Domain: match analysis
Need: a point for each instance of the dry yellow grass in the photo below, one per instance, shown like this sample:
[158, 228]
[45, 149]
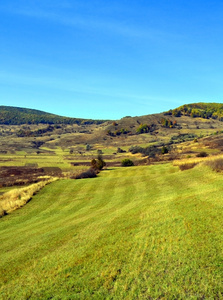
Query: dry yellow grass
[196, 160]
[214, 162]
[17, 198]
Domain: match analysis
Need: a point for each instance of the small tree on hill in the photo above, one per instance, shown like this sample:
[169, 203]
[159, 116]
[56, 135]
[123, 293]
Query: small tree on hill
[101, 162]
[98, 164]
[143, 128]
[88, 147]
[164, 150]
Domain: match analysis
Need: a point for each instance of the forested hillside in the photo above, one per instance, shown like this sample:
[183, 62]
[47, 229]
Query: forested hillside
[202, 110]
[16, 116]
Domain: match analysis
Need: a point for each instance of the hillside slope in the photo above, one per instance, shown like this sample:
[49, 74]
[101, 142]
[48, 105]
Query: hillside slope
[203, 110]
[75, 134]
[139, 233]
[10, 115]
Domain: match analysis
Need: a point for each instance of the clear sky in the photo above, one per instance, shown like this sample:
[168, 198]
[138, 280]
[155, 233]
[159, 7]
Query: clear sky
[110, 58]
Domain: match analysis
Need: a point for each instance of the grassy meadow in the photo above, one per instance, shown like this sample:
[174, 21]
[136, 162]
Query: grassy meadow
[60, 158]
[148, 232]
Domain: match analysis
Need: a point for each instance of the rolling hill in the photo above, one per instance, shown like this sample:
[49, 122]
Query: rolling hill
[10, 115]
[203, 110]
[32, 129]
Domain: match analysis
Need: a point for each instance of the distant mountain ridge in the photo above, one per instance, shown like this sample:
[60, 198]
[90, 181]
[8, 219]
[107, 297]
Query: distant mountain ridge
[10, 115]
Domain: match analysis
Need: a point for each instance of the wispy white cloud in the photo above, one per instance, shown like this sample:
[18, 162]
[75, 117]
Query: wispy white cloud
[66, 14]
[86, 23]
[84, 88]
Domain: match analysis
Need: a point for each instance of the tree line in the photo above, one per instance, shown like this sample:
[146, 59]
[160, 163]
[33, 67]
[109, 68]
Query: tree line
[199, 110]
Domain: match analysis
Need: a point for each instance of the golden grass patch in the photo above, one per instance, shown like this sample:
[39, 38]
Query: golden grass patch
[197, 160]
[17, 198]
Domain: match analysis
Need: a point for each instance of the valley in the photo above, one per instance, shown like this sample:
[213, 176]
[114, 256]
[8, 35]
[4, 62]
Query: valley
[149, 231]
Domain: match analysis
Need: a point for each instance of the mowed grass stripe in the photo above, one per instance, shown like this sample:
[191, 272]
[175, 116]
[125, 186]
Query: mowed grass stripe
[134, 233]
[203, 227]
[169, 241]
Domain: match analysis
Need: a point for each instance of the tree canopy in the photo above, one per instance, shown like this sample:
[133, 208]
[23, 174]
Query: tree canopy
[201, 110]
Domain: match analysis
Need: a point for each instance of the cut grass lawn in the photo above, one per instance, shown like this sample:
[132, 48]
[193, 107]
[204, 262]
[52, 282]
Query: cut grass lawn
[132, 233]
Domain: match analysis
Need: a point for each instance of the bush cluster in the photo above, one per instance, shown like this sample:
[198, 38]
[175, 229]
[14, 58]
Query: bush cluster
[202, 154]
[150, 151]
[182, 138]
[144, 128]
[118, 132]
[98, 164]
[164, 150]
[119, 150]
[168, 123]
[90, 173]
[127, 163]
[187, 166]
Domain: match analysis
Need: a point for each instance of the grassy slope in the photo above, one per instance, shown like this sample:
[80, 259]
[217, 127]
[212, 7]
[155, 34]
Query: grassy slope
[137, 233]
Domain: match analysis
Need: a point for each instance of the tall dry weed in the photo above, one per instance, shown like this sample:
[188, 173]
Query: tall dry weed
[216, 164]
[17, 198]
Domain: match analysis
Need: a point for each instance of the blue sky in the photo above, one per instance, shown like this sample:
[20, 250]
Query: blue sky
[110, 58]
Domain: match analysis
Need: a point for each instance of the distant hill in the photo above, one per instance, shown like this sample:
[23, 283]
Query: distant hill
[202, 110]
[185, 123]
[10, 115]
[17, 116]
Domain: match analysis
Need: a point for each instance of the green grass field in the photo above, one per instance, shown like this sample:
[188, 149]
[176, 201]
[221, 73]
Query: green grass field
[132, 233]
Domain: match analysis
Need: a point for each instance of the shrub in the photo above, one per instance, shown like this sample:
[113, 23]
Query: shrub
[90, 173]
[98, 164]
[176, 113]
[187, 166]
[37, 144]
[136, 149]
[119, 150]
[150, 151]
[94, 164]
[127, 162]
[164, 150]
[143, 128]
[88, 147]
[184, 137]
[202, 154]
[168, 123]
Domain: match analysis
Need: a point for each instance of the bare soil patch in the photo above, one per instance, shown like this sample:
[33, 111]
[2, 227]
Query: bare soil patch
[10, 176]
